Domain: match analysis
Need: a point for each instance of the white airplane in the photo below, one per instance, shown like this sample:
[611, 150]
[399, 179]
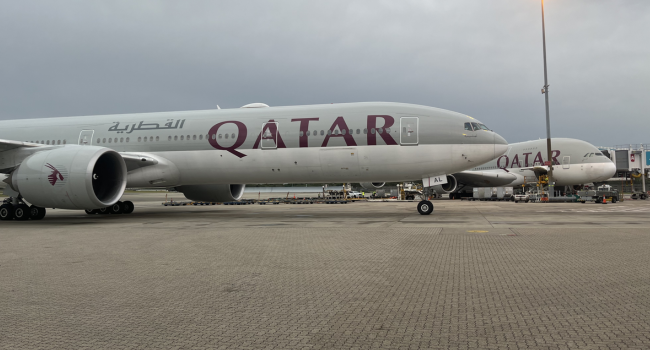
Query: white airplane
[575, 162]
[87, 162]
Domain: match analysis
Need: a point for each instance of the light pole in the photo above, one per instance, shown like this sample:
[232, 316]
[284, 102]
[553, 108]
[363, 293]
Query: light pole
[548, 120]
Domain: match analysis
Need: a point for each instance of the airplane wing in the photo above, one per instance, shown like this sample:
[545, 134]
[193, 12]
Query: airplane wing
[484, 178]
[6, 145]
[133, 160]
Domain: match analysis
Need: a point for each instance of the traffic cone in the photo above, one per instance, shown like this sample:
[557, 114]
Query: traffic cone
[604, 200]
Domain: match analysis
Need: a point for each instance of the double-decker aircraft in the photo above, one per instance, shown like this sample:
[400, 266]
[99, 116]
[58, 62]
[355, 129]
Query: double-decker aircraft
[576, 162]
[87, 162]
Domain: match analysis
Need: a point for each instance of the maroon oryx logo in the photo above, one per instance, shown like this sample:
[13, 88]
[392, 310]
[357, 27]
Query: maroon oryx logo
[55, 176]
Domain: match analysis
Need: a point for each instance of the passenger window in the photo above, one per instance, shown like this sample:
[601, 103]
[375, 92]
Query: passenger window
[157, 138]
[329, 132]
[193, 137]
[388, 130]
[121, 139]
[188, 137]
[322, 133]
[468, 127]
[344, 131]
[308, 133]
[139, 139]
[103, 140]
[169, 138]
[336, 132]
[380, 130]
[226, 136]
[64, 142]
[175, 137]
[48, 142]
[365, 131]
[219, 135]
[127, 139]
[372, 131]
[358, 131]
[99, 141]
[232, 136]
[182, 137]
[201, 137]
[115, 140]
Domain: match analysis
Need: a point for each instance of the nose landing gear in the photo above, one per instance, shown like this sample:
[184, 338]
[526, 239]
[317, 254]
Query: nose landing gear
[425, 207]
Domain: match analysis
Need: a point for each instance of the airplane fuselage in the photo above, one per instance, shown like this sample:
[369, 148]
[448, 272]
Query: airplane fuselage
[353, 142]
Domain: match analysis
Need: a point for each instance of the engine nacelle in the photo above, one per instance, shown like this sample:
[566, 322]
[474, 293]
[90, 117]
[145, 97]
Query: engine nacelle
[73, 177]
[212, 193]
[449, 187]
[372, 185]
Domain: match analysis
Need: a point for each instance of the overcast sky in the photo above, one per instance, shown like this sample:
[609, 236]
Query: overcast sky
[479, 57]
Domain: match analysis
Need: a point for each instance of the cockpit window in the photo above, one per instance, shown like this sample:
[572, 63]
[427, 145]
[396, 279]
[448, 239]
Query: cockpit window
[476, 127]
[591, 155]
[483, 127]
[586, 155]
[468, 126]
[599, 154]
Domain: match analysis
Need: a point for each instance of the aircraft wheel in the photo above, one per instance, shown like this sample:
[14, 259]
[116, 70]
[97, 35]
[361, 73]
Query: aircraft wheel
[6, 212]
[425, 207]
[91, 211]
[103, 210]
[21, 212]
[128, 207]
[117, 208]
[36, 213]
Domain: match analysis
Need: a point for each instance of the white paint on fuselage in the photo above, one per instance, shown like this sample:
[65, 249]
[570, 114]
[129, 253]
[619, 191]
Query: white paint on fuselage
[584, 166]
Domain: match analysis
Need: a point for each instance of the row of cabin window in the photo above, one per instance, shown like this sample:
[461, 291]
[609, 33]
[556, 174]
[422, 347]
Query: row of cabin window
[200, 137]
[345, 131]
[48, 142]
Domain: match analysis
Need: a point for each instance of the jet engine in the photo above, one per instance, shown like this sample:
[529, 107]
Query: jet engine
[449, 187]
[73, 177]
[212, 193]
[372, 185]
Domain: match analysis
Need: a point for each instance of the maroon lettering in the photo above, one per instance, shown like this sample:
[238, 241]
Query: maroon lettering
[526, 160]
[499, 162]
[372, 124]
[515, 161]
[343, 128]
[272, 127]
[241, 137]
[554, 155]
[538, 159]
[304, 128]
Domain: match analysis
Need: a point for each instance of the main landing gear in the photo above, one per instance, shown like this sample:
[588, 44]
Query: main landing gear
[425, 207]
[126, 207]
[16, 209]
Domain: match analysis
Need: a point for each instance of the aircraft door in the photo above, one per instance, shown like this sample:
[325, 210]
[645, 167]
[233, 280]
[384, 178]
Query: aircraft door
[408, 131]
[270, 135]
[566, 162]
[86, 137]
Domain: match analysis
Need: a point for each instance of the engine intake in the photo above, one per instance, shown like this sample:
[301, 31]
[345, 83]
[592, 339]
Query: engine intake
[72, 177]
[212, 193]
[449, 187]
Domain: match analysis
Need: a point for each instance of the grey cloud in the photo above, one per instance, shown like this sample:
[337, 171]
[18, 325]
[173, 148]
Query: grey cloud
[477, 57]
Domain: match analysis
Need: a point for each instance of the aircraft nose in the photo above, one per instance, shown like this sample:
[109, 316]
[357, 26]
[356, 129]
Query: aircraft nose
[610, 170]
[500, 145]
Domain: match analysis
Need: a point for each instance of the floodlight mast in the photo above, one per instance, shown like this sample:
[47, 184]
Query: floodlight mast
[548, 120]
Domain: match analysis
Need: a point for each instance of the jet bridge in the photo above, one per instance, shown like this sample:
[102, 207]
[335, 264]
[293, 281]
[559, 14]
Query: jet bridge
[632, 162]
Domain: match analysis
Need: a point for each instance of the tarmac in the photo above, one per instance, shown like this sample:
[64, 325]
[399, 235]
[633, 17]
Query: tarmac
[472, 275]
